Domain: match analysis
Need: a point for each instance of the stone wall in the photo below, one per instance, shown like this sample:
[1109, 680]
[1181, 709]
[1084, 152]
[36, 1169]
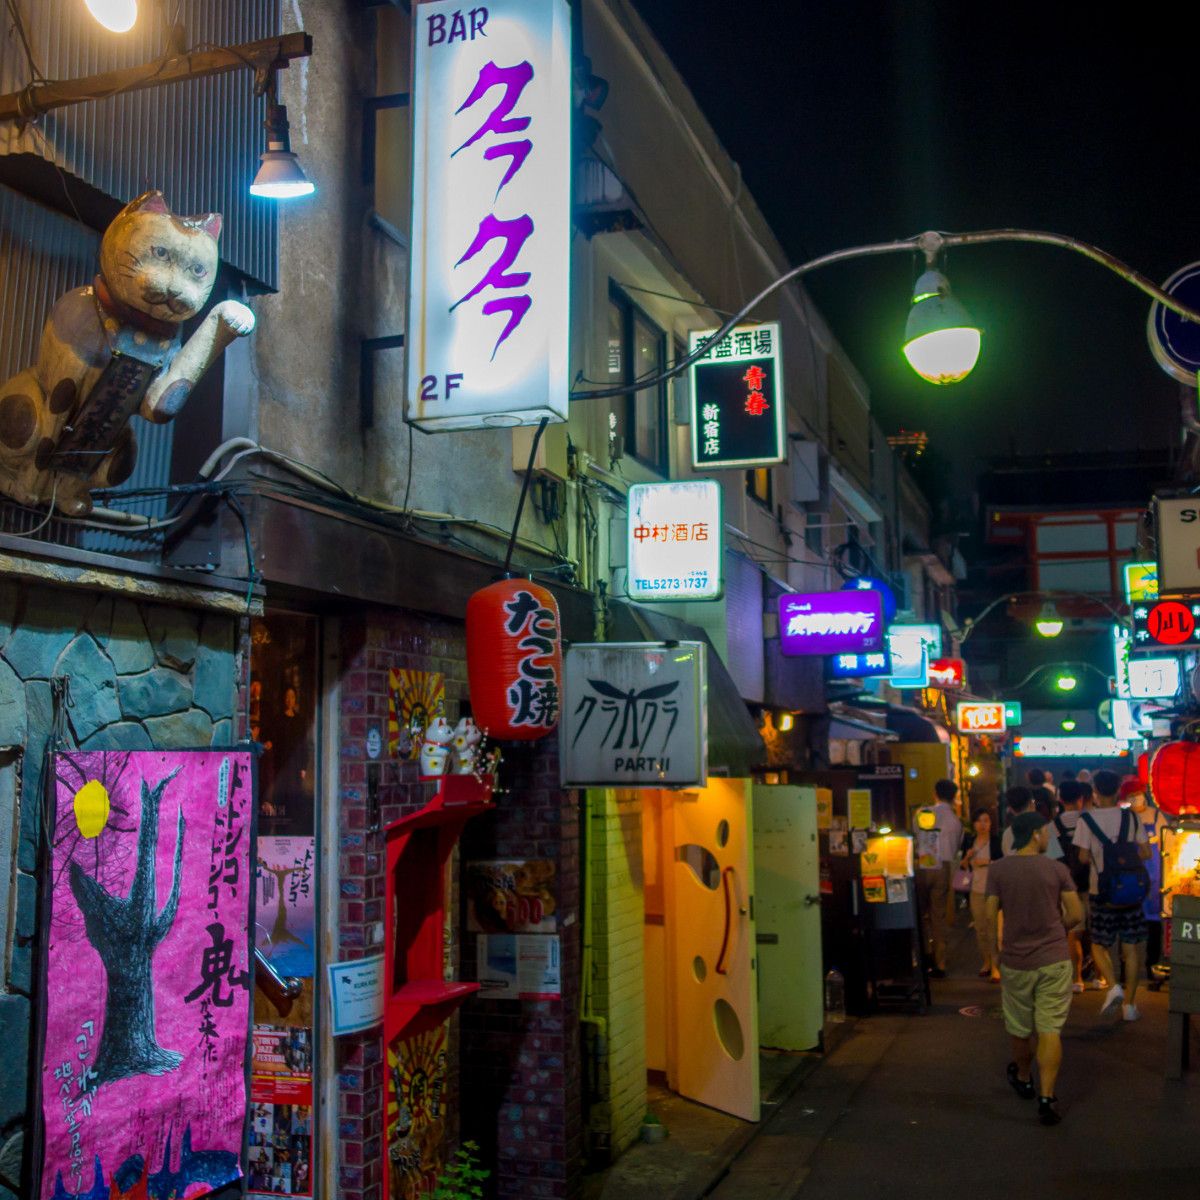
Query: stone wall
[141, 676]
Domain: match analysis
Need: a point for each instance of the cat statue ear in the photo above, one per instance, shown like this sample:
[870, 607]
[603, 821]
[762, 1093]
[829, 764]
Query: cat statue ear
[210, 223]
[152, 201]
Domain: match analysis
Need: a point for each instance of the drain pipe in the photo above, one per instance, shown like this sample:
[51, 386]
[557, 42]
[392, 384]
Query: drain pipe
[587, 1016]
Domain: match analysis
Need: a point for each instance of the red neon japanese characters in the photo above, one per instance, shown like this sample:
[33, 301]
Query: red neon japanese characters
[756, 403]
[514, 660]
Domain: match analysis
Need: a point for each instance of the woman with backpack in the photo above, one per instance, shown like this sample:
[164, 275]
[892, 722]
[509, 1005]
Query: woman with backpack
[1111, 841]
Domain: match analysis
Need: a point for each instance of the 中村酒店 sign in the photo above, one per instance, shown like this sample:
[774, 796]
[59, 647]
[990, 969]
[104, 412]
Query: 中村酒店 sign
[737, 399]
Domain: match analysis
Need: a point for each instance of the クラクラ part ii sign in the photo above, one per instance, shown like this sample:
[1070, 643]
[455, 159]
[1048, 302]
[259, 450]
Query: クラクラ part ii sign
[635, 714]
[489, 276]
[674, 541]
[737, 399]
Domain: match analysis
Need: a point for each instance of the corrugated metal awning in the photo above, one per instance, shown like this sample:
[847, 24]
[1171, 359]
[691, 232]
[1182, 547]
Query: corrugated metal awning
[734, 744]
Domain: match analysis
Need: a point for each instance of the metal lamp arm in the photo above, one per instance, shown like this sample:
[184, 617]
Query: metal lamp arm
[970, 625]
[930, 244]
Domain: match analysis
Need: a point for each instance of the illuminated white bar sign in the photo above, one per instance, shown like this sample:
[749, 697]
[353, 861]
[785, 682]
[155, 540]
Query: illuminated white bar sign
[489, 268]
[674, 540]
[1069, 747]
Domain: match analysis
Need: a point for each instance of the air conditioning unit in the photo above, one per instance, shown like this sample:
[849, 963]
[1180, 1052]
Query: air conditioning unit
[808, 462]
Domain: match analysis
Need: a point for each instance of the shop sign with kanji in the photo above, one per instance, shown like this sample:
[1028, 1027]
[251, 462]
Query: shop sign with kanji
[635, 714]
[981, 717]
[876, 664]
[738, 417]
[489, 277]
[674, 541]
[1172, 624]
[831, 622]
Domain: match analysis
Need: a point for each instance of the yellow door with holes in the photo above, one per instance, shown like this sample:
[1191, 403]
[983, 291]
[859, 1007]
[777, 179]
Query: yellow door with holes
[713, 1038]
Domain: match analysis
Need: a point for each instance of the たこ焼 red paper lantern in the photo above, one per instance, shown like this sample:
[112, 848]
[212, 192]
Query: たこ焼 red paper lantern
[1175, 777]
[514, 660]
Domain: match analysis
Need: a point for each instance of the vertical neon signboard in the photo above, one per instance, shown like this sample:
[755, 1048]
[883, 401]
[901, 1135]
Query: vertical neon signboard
[738, 405]
[489, 275]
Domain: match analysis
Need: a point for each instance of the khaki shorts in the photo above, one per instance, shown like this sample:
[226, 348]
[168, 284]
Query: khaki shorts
[1036, 1001]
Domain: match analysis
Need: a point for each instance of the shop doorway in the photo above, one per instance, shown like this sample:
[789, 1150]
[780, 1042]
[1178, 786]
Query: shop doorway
[732, 937]
[701, 989]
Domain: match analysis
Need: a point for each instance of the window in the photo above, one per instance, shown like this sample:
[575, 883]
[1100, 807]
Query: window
[760, 486]
[637, 348]
[814, 534]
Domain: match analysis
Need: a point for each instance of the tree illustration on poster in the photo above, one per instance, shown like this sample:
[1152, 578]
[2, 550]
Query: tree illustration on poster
[146, 990]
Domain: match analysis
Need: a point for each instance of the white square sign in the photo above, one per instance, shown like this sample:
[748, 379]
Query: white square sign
[635, 714]
[674, 541]
[1178, 544]
[489, 276]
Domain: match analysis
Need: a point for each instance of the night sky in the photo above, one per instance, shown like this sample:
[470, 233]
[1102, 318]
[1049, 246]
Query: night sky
[862, 121]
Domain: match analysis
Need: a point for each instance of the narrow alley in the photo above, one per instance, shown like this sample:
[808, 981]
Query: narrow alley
[917, 1104]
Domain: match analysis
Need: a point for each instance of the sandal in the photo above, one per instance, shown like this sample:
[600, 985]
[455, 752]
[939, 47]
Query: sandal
[1023, 1087]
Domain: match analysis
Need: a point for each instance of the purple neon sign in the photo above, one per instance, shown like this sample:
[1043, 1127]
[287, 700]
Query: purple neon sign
[831, 622]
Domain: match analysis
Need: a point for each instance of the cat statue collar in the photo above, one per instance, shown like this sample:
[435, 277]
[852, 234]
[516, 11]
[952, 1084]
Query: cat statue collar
[127, 315]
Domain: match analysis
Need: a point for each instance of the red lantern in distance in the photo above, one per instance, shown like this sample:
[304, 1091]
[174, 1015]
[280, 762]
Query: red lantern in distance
[1143, 766]
[1175, 777]
[514, 660]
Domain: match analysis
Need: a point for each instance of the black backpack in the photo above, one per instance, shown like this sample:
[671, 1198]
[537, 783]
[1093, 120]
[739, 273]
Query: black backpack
[1124, 882]
[1080, 872]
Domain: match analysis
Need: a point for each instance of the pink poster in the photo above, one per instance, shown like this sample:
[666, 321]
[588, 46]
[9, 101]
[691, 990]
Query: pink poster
[148, 974]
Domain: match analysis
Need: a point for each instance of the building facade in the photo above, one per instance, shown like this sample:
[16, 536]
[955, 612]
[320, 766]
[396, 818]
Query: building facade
[306, 589]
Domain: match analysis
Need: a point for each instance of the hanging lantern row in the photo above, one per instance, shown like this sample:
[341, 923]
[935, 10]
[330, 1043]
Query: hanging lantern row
[514, 660]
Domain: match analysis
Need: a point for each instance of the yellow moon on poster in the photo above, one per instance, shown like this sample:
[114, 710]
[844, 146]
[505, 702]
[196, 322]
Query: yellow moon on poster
[91, 808]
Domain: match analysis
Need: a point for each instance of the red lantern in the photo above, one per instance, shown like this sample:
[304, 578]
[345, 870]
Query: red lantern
[514, 660]
[1143, 766]
[1175, 777]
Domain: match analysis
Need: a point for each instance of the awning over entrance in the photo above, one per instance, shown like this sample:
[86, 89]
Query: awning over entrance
[734, 744]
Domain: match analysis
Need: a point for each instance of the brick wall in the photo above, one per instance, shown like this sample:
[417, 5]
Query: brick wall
[614, 841]
[522, 1086]
[372, 644]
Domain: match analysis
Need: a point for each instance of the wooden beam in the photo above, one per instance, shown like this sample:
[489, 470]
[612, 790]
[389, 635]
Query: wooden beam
[41, 98]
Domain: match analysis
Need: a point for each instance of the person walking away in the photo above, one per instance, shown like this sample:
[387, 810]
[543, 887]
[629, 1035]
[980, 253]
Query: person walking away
[937, 834]
[1038, 899]
[1071, 794]
[981, 848]
[1019, 800]
[1133, 792]
[1112, 842]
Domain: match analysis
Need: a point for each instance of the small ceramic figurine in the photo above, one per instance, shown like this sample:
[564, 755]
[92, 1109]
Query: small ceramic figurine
[114, 349]
[435, 749]
[467, 736]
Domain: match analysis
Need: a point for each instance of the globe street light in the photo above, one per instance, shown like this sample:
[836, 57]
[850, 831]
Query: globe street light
[941, 342]
[1049, 624]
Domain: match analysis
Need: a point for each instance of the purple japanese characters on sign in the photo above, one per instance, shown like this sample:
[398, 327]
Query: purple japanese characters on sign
[831, 622]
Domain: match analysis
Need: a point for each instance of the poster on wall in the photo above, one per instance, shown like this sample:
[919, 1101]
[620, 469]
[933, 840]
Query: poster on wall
[507, 896]
[286, 903]
[416, 1113]
[281, 1103]
[414, 699]
[518, 966]
[147, 987]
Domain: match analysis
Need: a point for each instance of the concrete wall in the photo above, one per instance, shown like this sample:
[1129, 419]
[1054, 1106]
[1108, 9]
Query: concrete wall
[141, 676]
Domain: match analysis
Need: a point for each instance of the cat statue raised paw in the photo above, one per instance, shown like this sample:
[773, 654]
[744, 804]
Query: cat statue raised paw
[114, 349]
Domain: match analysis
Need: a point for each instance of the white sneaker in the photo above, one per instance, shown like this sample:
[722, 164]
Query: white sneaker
[1116, 994]
[1130, 1012]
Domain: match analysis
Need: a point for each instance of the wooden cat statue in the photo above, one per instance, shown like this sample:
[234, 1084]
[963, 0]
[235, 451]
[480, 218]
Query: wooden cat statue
[114, 349]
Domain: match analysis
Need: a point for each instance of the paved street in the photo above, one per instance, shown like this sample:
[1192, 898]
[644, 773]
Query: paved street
[914, 1105]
